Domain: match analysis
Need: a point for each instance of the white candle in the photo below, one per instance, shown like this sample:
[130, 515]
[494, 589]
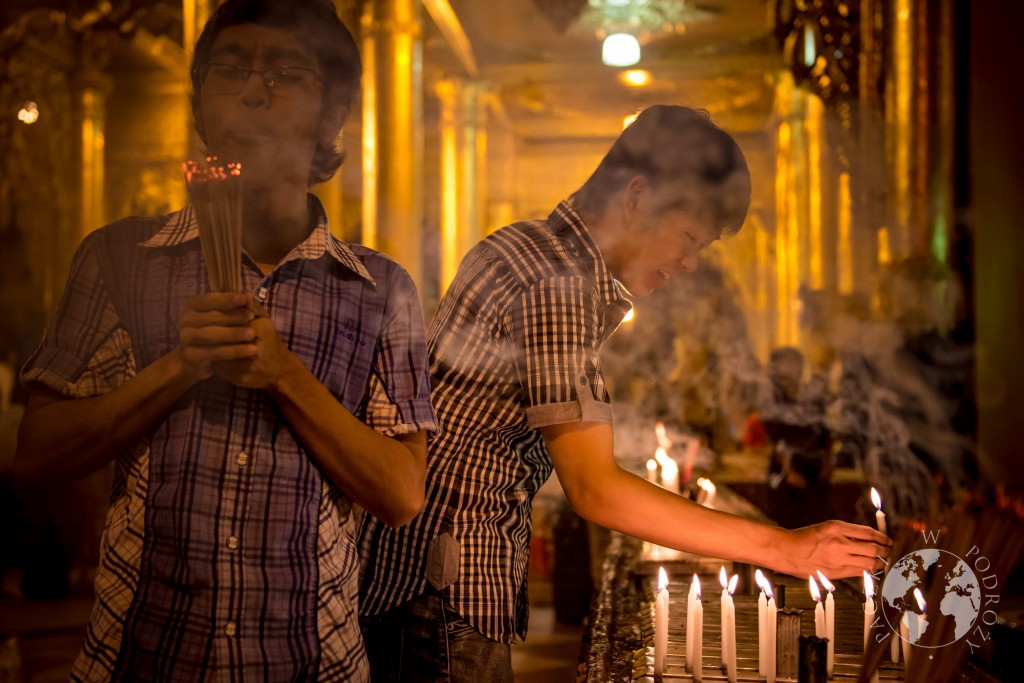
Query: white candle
[661, 624]
[869, 614]
[691, 608]
[728, 625]
[819, 610]
[669, 470]
[709, 499]
[879, 515]
[922, 619]
[652, 471]
[905, 638]
[762, 625]
[770, 623]
[830, 622]
[698, 638]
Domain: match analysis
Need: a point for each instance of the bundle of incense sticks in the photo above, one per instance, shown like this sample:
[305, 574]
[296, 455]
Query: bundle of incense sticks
[215, 191]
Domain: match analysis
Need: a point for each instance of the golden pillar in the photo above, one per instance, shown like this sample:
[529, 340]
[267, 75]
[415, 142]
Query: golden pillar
[91, 88]
[393, 131]
[463, 170]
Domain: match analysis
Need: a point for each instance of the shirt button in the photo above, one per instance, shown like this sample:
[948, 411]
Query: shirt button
[229, 628]
[243, 458]
[232, 542]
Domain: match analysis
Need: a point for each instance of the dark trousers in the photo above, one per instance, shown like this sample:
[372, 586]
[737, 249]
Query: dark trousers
[426, 641]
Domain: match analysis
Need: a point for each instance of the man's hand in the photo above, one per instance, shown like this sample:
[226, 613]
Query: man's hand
[216, 328]
[268, 364]
[839, 549]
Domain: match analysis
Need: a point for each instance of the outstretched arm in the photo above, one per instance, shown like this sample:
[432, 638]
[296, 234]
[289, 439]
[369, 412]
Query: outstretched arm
[602, 492]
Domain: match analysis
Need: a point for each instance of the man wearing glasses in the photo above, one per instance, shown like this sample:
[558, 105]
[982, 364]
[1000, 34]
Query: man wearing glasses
[242, 425]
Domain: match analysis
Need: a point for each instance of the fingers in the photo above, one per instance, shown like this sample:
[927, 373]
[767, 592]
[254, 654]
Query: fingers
[218, 301]
[216, 336]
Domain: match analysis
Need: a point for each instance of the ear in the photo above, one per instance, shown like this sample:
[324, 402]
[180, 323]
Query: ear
[330, 125]
[635, 190]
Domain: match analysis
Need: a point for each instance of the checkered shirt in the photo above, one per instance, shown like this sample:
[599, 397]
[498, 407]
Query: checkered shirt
[226, 555]
[514, 346]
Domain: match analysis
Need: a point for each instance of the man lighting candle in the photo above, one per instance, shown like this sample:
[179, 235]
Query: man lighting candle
[517, 381]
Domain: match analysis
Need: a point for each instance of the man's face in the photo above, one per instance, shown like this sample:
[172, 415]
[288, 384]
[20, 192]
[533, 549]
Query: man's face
[657, 244]
[272, 131]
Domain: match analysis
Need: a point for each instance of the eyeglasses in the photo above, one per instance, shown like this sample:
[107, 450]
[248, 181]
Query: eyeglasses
[282, 81]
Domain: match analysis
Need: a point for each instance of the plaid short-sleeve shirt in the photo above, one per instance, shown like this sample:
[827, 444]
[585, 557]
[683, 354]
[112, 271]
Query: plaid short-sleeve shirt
[226, 555]
[515, 345]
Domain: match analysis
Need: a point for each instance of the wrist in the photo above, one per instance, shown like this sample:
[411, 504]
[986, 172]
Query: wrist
[288, 383]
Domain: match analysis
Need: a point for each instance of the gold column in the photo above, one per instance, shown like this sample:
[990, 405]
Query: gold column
[941, 190]
[815, 126]
[91, 88]
[393, 131]
[463, 170]
[844, 222]
[792, 206]
[902, 137]
[448, 92]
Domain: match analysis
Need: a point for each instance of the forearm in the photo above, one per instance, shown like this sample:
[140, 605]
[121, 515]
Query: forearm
[634, 506]
[74, 437]
[384, 475]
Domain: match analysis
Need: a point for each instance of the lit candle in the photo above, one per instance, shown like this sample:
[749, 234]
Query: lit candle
[869, 614]
[652, 471]
[830, 623]
[905, 637]
[770, 623]
[922, 619]
[698, 637]
[692, 447]
[706, 497]
[728, 625]
[762, 630]
[819, 610]
[691, 608]
[879, 515]
[669, 470]
[661, 624]
[663, 440]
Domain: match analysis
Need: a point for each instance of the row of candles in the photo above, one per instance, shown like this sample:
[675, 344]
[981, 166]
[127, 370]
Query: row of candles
[912, 624]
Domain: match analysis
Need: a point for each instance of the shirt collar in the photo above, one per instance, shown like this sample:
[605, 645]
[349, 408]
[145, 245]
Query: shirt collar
[181, 227]
[574, 234]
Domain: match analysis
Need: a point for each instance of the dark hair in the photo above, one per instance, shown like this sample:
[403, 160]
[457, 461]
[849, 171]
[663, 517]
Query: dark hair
[317, 24]
[670, 144]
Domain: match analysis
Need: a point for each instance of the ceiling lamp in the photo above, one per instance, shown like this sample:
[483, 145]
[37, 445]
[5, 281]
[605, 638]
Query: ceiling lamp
[620, 49]
[636, 78]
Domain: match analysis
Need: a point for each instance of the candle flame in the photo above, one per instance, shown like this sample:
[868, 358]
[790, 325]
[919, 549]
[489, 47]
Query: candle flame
[869, 587]
[768, 589]
[651, 465]
[707, 485]
[696, 582]
[876, 499]
[662, 579]
[723, 578]
[733, 583]
[920, 601]
[759, 579]
[663, 441]
[825, 582]
[815, 593]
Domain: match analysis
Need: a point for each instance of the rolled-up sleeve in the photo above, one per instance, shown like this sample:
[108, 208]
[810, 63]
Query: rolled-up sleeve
[86, 351]
[400, 385]
[555, 328]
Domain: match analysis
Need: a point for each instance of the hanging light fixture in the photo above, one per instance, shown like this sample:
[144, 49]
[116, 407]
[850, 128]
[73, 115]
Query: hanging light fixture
[620, 49]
